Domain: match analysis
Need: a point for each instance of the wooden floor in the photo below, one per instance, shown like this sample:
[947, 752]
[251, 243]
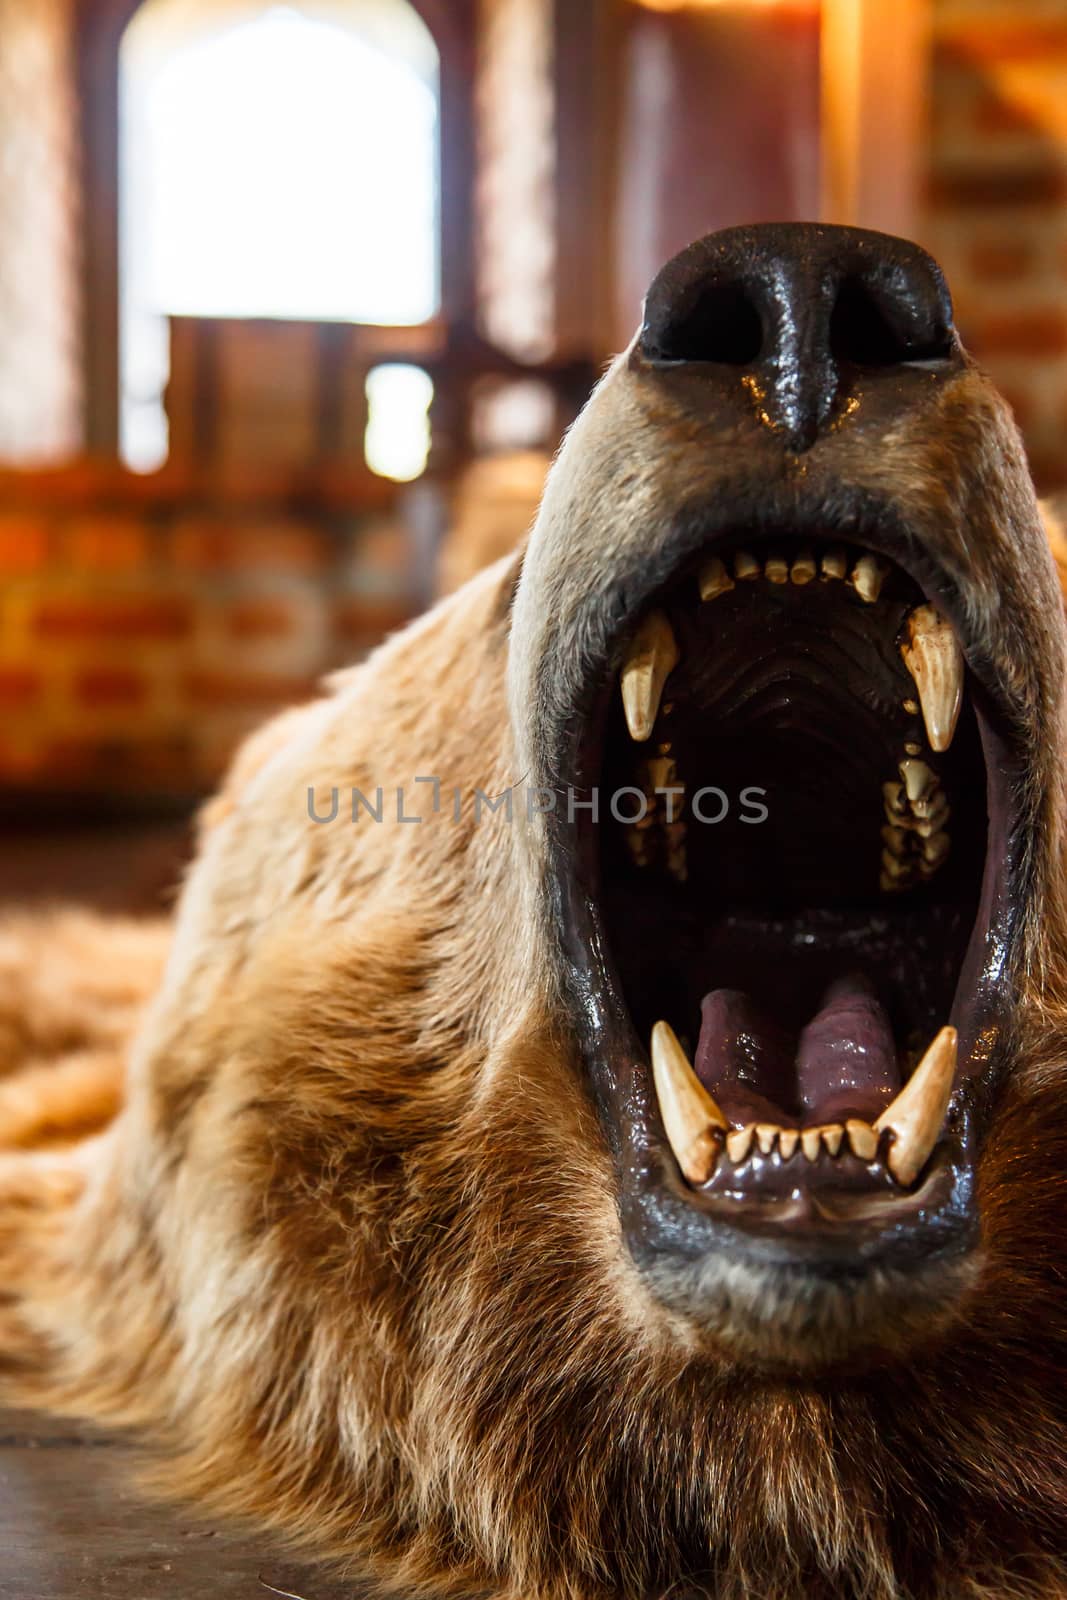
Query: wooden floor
[71, 1529]
[70, 1522]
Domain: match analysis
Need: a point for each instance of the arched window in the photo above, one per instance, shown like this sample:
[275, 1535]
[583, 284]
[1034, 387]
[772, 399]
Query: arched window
[276, 161]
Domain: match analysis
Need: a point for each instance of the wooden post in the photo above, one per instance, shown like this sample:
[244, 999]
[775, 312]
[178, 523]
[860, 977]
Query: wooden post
[874, 66]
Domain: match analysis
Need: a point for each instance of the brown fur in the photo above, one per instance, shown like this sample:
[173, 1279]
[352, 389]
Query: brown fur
[350, 1256]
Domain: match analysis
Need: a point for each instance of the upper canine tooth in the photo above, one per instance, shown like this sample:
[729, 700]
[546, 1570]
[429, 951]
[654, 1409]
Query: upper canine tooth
[935, 661]
[714, 579]
[693, 1122]
[652, 656]
[745, 565]
[868, 575]
[916, 1116]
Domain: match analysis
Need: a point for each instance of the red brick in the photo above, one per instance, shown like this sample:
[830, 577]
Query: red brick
[1022, 333]
[995, 114]
[19, 687]
[262, 619]
[108, 544]
[263, 690]
[110, 686]
[371, 617]
[982, 187]
[211, 546]
[85, 617]
[24, 544]
[1001, 260]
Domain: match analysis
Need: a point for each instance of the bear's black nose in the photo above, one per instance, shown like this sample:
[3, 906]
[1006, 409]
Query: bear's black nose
[803, 308]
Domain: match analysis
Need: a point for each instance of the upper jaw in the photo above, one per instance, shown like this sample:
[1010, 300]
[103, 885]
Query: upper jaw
[723, 1265]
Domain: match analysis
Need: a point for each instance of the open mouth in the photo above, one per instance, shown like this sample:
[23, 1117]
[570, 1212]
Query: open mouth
[797, 892]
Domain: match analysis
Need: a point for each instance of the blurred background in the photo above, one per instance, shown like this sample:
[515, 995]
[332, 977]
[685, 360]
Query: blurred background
[296, 300]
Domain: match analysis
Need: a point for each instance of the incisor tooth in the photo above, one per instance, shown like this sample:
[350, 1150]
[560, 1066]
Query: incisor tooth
[862, 1138]
[935, 661]
[803, 568]
[832, 1136]
[692, 1121]
[776, 570]
[788, 1140]
[766, 1133]
[916, 1116]
[739, 1143]
[811, 1142]
[714, 579]
[868, 575]
[746, 566]
[652, 656]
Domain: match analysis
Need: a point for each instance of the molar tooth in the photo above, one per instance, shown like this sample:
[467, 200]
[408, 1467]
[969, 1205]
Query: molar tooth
[862, 1138]
[895, 803]
[834, 563]
[777, 569]
[894, 867]
[832, 1135]
[919, 779]
[788, 1140]
[766, 1134]
[868, 576]
[934, 659]
[895, 839]
[746, 566]
[692, 1121]
[714, 579]
[915, 1118]
[936, 848]
[803, 568]
[739, 1143]
[652, 656]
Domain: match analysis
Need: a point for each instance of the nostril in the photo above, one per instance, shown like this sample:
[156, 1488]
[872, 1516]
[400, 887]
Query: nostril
[870, 331]
[720, 323]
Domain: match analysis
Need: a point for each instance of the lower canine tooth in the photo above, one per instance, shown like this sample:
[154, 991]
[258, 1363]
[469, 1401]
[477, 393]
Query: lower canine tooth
[652, 656]
[714, 579]
[916, 1116]
[862, 1138]
[692, 1121]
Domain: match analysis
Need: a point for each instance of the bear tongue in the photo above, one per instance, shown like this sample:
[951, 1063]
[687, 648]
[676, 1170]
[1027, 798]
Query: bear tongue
[844, 1064]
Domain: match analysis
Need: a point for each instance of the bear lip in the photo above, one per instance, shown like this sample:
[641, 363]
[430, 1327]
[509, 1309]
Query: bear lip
[784, 1210]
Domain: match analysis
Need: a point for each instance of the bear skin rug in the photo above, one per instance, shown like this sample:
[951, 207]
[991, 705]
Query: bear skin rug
[643, 1174]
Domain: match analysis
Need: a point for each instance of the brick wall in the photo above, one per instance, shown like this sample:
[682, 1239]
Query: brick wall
[147, 624]
[997, 213]
[40, 389]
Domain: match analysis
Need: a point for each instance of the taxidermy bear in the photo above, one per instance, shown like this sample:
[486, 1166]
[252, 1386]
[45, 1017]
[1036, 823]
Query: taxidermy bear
[645, 1174]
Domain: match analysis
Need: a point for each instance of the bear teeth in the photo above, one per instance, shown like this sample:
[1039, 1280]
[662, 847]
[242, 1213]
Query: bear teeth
[698, 1132]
